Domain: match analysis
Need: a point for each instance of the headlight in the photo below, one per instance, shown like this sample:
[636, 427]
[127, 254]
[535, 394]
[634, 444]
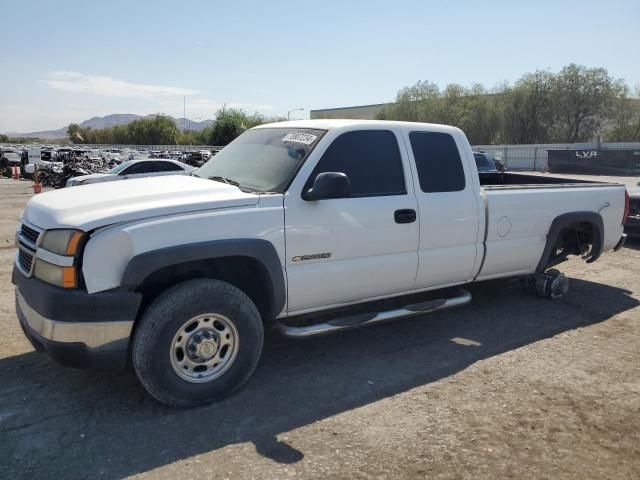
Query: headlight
[62, 242]
[64, 277]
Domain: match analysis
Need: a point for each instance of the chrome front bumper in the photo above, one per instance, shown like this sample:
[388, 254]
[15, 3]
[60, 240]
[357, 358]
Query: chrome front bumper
[102, 336]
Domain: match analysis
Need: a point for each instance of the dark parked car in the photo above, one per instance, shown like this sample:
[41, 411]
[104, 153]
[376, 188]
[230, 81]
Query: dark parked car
[9, 158]
[499, 166]
[486, 163]
[632, 225]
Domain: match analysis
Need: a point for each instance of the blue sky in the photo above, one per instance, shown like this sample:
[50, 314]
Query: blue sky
[67, 60]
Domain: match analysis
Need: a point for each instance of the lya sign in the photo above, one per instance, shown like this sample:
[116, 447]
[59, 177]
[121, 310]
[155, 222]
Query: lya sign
[586, 153]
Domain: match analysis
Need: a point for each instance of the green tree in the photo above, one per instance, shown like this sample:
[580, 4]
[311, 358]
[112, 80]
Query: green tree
[572, 105]
[528, 109]
[582, 99]
[480, 116]
[73, 131]
[230, 123]
[473, 109]
[417, 103]
[625, 117]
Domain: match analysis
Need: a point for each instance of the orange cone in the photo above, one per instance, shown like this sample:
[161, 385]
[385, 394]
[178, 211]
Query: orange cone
[37, 186]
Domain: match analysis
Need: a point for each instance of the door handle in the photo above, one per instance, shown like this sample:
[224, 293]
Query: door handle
[406, 215]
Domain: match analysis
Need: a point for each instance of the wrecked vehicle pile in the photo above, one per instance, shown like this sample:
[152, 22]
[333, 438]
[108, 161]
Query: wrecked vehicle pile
[56, 174]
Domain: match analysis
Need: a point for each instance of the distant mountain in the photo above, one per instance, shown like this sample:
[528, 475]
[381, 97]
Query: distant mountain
[112, 121]
[192, 125]
[45, 135]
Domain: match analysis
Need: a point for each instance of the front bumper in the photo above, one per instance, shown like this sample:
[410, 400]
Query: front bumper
[632, 226]
[75, 328]
[621, 242]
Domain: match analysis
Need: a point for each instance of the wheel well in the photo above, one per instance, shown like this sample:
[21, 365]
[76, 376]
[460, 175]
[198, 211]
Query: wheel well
[575, 238]
[246, 273]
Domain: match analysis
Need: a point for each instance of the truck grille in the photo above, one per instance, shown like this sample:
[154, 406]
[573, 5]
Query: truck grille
[26, 260]
[634, 206]
[27, 241]
[30, 234]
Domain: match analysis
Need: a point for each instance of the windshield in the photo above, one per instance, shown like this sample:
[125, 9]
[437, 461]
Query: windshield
[119, 168]
[483, 163]
[264, 159]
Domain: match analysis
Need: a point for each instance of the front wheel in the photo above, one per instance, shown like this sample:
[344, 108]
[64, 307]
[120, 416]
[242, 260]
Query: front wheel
[197, 343]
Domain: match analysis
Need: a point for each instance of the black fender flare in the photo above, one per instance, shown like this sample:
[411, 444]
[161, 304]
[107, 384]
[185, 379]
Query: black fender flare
[144, 264]
[561, 221]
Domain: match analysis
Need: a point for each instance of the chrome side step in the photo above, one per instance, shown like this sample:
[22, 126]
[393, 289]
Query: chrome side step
[462, 297]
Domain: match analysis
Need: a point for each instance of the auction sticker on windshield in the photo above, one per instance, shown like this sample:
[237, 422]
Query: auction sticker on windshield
[299, 137]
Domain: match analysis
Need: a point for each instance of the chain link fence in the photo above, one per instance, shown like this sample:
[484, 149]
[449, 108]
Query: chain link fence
[515, 157]
[535, 157]
[161, 148]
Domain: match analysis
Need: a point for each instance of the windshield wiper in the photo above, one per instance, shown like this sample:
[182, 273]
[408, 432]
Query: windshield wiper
[226, 180]
[230, 181]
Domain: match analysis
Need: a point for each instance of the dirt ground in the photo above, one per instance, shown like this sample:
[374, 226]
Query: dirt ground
[508, 386]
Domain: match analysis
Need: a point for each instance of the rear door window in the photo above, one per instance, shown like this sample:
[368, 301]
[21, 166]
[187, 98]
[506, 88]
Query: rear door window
[438, 162]
[139, 167]
[167, 167]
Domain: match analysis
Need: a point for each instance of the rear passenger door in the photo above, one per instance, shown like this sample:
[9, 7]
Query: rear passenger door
[346, 250]
[449, 209]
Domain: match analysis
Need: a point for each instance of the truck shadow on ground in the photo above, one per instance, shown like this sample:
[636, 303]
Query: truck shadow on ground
[79, 424]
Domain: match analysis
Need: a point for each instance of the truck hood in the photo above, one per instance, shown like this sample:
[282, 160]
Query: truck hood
[91, 206]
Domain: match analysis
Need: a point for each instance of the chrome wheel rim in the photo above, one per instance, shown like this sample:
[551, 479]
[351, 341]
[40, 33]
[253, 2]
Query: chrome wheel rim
[204, 347]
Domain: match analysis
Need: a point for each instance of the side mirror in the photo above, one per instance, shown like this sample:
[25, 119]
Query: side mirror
[329, 185]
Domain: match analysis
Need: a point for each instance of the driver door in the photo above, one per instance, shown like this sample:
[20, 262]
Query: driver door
[347, 250]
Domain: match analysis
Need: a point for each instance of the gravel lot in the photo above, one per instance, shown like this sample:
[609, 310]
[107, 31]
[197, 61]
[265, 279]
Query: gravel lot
[509, 386]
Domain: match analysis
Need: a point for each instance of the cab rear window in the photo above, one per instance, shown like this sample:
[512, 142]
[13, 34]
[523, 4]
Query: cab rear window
[438, 162]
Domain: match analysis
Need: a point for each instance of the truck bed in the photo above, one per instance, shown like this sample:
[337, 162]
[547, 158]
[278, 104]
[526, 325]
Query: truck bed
[519, 209]
[509, 180]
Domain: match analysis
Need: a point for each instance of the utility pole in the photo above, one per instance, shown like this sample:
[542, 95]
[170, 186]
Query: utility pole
[294, 110]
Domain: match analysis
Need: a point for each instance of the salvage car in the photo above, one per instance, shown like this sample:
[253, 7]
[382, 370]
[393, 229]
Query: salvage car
[134, 169]
[308, 227]
[9, 158]
[632, 225]
[484, 163]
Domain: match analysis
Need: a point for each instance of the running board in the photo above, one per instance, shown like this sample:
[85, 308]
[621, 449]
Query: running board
[461, 297]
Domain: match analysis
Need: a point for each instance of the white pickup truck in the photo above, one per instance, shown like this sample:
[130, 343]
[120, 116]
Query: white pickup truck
[308, 226]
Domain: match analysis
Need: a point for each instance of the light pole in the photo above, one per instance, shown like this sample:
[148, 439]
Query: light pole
[199, 119]
[294, 110]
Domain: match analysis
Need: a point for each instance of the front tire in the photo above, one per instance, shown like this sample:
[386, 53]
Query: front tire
[197, 343]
